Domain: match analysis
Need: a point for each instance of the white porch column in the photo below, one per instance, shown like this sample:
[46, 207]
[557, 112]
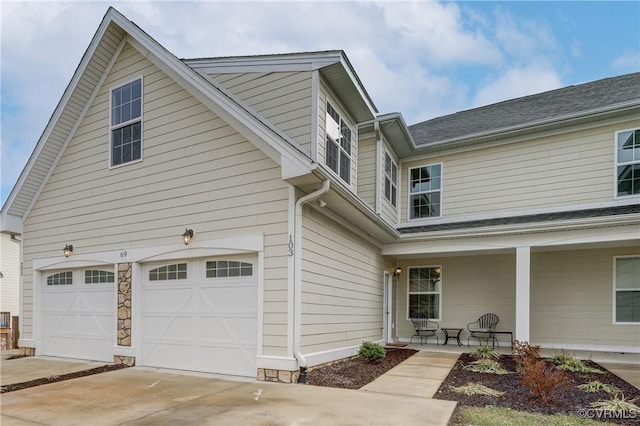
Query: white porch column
[523, 293]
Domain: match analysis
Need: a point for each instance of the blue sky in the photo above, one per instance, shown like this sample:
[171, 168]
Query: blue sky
[423, 59]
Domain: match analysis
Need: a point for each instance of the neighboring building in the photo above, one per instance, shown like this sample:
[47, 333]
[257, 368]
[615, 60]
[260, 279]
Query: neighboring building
[10, 273]
[302, 200]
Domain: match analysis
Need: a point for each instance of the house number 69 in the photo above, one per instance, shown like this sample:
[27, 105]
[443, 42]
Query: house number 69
[123, 254]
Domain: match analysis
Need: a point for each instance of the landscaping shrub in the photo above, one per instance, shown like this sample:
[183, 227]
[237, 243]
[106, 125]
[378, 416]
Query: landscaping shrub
[568, 362]
[524, 353]
[371, 351]
[544, 382]
[484, 365]
[485, 352]
[597, 386]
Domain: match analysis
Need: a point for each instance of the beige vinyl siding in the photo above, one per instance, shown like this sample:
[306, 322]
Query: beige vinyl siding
[367, 171]
[559, 171]
[10, 268]
[196, 171]
[342, 286]
[471, 286]
[572, 299]
[327, 95]
[283, 98]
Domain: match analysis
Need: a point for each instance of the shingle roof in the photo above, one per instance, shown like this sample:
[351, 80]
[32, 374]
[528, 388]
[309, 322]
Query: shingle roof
[531, 109]
[532, 218]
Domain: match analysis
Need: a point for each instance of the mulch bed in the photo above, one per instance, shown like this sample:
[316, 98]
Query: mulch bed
[518, 397]
[60, 378]
[353, 373]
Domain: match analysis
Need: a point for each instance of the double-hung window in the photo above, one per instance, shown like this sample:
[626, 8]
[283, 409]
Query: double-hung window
[628, 162]
[390, 180]
[425, 190]
[425, 291]
[338, 155]
[627, 289]
[126, 123]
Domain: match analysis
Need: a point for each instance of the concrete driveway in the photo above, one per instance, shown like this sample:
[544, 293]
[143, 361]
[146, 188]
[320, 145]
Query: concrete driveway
[146, 396]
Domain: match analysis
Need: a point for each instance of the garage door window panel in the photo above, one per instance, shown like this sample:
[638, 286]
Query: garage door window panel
[61, 278]
[177, 271]
[228, 268]
[96, 276]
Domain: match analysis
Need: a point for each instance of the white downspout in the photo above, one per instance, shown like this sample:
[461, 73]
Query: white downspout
[297, 270]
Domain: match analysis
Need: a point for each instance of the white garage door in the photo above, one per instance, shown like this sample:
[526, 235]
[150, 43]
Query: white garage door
[201, 315]
[78, 314]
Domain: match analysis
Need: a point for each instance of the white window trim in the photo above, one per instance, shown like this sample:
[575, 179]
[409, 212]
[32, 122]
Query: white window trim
[409, 193]
[351, 156]
[409, 293]
[615, 290]
[386, 176]
[123, 124]
[616, 164]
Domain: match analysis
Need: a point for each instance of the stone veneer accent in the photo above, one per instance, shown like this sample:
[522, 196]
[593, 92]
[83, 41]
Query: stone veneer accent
[281, 376]
[129, 361]
[124, 304]
[28, 351]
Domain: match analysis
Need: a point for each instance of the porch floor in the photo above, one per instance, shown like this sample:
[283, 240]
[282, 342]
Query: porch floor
[624, 365]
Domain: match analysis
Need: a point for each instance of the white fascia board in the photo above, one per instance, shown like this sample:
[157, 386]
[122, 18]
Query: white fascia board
[621, 202]
[359, 87]
[84, 62]
[10, 223]
[526, 228]
[267, 63]
[541, 240]
[222, 103]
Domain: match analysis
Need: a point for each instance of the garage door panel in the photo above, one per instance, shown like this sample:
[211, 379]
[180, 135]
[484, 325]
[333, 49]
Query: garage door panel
[200, 323]
[78, 320]
[168, 327]
[162, 299]
[228, 330]
[230, 298]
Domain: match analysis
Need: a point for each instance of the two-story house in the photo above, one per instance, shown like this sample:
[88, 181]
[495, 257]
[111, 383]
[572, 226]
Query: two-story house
[246, 215]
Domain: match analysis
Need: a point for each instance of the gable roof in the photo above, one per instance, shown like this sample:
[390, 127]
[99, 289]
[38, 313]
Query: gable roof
[599, 97]
[332, 64]
[113, 32]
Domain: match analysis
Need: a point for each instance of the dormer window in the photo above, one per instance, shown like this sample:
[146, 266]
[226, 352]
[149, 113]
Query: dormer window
[126, 123]
[338, 155]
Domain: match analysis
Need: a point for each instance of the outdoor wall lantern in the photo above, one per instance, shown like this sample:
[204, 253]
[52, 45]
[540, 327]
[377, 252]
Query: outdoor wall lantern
[397, 271]
[68, 249]
[187, 236]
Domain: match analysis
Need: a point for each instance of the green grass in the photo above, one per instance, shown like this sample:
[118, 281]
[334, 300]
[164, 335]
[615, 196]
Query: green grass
[497, 416]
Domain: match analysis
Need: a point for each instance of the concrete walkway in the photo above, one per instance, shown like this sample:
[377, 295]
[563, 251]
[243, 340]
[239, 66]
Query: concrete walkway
[419, 376]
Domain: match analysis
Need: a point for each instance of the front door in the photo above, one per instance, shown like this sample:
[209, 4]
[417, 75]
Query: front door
[388, 308]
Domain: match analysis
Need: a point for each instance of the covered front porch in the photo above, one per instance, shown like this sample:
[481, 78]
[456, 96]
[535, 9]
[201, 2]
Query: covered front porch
[557, 290]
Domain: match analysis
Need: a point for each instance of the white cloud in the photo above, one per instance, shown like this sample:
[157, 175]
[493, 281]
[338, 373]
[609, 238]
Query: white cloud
[435, 31]
[627, 62]
[517, 82]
